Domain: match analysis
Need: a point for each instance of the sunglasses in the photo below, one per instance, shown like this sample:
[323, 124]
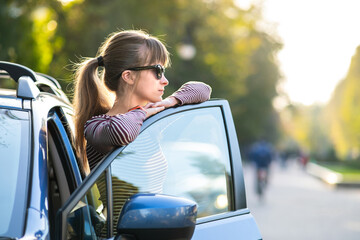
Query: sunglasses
[159, 70]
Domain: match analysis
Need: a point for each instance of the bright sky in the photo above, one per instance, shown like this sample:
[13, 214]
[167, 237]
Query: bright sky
[319, 37]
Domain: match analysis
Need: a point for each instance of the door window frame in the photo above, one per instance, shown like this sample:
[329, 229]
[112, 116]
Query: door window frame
[62, 137]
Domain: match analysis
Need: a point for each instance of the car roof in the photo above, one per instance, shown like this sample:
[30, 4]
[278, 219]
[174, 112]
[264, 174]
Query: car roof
[8, 99]
[7, 92]
[29, 84]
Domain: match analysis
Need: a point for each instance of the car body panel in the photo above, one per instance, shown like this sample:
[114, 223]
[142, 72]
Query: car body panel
[10, 102]
[242, 226]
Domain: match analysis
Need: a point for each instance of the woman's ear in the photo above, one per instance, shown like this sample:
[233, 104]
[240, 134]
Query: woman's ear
[128, 77]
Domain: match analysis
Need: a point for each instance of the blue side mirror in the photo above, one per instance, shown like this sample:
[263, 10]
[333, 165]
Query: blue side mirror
[155, 216]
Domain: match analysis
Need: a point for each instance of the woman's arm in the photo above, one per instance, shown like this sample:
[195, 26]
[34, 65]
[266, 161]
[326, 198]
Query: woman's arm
[104, 132]
[190, 92]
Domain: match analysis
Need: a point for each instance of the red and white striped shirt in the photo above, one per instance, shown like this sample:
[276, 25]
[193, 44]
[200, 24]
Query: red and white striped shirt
[105, 132]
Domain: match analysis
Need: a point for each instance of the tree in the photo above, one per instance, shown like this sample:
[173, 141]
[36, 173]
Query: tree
[227, 49]
[344, 112]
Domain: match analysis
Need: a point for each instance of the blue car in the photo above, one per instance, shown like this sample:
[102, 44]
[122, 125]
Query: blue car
[182, 177]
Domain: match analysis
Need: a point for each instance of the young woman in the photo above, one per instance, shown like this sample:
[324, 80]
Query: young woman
[133, 65]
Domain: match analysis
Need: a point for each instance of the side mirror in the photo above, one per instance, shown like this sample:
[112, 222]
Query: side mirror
[159, 217]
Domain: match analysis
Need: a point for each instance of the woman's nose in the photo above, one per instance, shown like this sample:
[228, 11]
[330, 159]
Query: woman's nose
[164, 80]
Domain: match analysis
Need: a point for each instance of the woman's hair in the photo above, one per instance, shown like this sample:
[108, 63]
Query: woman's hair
[120, 51]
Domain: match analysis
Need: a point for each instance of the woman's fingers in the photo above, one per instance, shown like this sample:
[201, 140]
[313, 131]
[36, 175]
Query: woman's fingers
[159, 104]
[149, 105]
[168, 102]
[153, 108]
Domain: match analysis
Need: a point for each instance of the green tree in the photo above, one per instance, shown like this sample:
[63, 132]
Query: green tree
[27, 33]
[227, 49]
[344, 112]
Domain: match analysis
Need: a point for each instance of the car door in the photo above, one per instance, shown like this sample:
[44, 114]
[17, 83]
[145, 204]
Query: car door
[189, 151]
[62, 167]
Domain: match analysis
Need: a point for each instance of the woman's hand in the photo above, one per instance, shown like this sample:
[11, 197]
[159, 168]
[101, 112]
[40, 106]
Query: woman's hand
[167, 102]
[151, 109]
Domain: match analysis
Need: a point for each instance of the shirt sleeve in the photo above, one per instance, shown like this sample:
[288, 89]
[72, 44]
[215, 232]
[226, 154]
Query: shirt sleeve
[193, 92]
[104, 132]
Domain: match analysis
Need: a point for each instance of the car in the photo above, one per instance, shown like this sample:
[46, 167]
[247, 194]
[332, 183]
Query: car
[182, 177]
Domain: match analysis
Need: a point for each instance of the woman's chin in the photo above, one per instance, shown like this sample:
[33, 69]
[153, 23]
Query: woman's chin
[158, 99]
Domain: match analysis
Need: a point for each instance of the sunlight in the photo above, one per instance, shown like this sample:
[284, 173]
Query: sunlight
[221, 201]
[52, 25]
[333, 178]
[318, 47]
[67, 2]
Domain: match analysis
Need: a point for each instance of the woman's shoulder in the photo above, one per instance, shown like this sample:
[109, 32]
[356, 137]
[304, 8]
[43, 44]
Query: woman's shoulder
[102, 117]
[116, 130]
[96, 120]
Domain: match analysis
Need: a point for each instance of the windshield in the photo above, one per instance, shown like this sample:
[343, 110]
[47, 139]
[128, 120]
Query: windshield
[14, 140]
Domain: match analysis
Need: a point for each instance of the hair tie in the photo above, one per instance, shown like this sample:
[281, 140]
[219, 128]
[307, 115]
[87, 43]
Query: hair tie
[100, 61]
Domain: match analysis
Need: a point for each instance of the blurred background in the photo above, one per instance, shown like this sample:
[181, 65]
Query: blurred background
[290, 70]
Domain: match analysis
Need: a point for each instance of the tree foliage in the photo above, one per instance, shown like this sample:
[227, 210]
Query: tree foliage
[306, 131]
[329, 132]
[231, 53]
[344, 112]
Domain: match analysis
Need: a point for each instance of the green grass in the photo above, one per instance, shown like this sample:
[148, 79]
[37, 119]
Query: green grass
[350, 172]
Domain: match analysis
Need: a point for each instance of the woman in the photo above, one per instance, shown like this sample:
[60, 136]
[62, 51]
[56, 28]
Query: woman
[133, 69]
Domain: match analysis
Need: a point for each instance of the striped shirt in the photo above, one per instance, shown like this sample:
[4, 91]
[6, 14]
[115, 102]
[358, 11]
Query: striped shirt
[105, 132]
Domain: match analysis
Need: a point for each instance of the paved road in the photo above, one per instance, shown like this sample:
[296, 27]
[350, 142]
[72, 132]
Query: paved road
[298, 206]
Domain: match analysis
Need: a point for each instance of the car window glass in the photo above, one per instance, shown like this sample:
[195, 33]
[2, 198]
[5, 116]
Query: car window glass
[89, 216]
[14, 142]
[185, 155]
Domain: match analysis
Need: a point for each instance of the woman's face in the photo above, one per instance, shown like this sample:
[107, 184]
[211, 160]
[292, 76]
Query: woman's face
[149, 88]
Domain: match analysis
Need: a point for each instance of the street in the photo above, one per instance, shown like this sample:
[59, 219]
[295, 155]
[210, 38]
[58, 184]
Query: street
[299, 206]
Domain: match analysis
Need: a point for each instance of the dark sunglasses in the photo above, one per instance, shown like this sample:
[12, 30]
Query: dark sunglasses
[160, 70]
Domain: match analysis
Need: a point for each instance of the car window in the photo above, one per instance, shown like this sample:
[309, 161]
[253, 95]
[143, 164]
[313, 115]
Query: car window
[14, 152]
[185, 154]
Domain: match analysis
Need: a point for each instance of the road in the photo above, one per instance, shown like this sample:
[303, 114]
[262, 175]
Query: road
[299, 206]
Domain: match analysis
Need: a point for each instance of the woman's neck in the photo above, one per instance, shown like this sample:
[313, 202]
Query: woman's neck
[123, 104]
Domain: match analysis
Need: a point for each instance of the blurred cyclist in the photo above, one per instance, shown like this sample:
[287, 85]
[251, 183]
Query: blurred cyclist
[261, 154]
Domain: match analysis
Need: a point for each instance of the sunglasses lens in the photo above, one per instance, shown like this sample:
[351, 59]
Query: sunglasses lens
[159, 71]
